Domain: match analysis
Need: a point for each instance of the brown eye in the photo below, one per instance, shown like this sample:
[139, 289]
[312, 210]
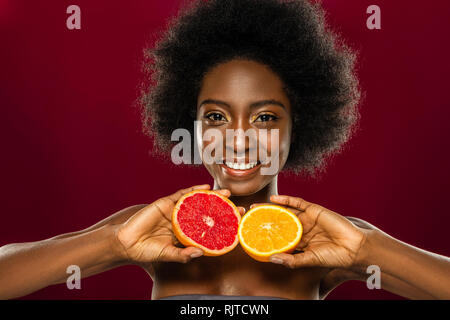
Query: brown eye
[265, 118]
[214, 116]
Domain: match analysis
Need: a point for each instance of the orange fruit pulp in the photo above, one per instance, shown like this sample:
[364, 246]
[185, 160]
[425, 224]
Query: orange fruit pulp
[268, 229]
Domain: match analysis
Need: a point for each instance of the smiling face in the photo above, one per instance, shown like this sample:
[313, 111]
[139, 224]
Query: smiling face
[242, 95]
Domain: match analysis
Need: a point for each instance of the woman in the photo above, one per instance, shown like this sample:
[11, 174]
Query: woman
[242, 64]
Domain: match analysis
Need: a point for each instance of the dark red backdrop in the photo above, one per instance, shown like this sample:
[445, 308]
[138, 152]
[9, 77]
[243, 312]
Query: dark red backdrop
[73, 152]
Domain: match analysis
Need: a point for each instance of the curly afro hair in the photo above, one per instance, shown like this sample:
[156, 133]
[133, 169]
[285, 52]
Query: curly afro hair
[290, 37]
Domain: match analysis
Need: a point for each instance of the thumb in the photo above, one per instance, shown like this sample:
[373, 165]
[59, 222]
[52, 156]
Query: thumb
[181, 255]
[224, 192]
[303, 259]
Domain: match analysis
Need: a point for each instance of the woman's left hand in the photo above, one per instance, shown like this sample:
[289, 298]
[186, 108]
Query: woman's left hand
[329, 239]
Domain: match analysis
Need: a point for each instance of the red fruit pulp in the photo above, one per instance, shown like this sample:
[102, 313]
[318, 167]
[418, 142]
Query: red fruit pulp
[208, 220]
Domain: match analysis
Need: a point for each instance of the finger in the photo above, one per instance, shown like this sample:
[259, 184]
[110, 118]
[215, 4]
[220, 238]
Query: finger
[303, 259]
[293, 202]
[181, 255]
[223, 192]
[177, 195]
[241, 210]
[258, 204]
[146, 218]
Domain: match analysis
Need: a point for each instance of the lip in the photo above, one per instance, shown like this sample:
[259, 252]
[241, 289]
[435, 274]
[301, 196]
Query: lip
[240, 173]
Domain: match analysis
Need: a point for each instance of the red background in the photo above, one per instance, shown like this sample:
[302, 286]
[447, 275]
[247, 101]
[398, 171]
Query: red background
[73, 152]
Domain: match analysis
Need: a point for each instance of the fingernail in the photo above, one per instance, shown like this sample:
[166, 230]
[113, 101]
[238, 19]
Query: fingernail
[196, 254]
[276, 260]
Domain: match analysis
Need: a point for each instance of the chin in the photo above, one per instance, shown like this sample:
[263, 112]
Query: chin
[239, 185]
[243, 188]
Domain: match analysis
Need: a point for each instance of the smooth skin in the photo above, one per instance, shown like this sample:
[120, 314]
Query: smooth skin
[333, 249]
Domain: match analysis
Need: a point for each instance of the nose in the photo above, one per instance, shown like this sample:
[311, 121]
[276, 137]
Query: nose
[240, 137]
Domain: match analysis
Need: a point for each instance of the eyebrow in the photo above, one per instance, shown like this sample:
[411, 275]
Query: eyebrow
[253, 105]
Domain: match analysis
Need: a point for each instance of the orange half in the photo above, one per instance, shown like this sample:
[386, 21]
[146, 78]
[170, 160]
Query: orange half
[268, 229]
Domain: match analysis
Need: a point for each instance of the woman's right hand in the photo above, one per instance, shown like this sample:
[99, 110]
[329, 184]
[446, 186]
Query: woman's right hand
[147, 235]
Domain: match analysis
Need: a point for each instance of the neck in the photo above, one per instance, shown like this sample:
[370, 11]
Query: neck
[261, 196]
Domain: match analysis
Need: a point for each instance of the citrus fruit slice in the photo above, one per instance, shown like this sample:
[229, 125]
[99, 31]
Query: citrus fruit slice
[206, 220]
[268, 229]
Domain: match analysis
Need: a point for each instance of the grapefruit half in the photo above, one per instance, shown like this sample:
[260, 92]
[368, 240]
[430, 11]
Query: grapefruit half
[207, 220]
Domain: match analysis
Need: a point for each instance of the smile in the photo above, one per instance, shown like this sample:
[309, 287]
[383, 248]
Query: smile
[241, 166]
[240, 169]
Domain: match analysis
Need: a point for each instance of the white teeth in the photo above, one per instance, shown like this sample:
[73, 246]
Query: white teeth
[240, 166]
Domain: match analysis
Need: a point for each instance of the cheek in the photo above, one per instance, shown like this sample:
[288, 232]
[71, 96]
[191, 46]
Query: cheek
[210, 144]
[278, 142]
[285, 143]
